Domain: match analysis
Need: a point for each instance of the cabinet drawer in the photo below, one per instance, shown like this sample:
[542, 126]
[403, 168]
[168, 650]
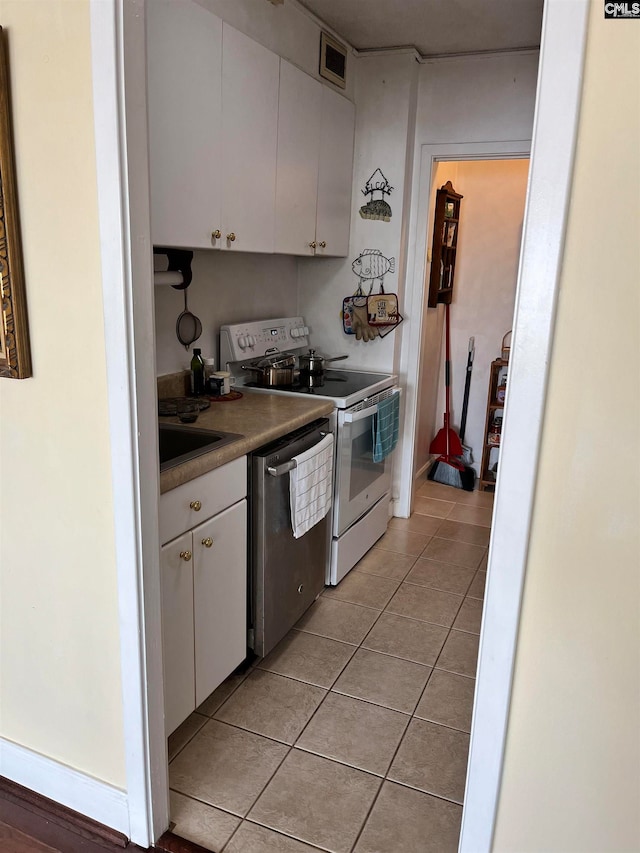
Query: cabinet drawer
[192, 503]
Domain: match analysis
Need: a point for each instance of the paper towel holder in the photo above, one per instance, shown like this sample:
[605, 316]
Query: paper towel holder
[179, 260]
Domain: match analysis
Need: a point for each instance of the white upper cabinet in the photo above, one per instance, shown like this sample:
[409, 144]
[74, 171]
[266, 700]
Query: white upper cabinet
[335, 174]
[247, 153]
[184, 60]
[250, 76]
[299, 121]
[315, 166]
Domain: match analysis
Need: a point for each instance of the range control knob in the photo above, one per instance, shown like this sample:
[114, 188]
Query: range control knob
[251, 340]
[242, 342]
[295, 333]
[305, 331]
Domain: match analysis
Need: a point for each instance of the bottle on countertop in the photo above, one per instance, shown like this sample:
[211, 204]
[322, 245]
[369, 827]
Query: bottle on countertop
[223, 378]
[197, 373]
[209, 370]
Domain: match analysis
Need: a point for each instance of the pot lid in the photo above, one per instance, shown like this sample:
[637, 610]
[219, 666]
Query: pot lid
[278, 359]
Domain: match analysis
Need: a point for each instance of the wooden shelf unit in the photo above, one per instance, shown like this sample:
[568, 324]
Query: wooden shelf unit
[446, 225]
[490, 451]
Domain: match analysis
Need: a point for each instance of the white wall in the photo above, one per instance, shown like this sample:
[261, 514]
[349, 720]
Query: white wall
[287, 30]
[227, 287]
[486, 269]
[385, 111]
[571, 777]
[60, 680]
[477, 98]
[461, 101]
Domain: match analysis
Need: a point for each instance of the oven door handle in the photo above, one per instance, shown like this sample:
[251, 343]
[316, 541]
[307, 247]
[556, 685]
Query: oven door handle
[353, 417]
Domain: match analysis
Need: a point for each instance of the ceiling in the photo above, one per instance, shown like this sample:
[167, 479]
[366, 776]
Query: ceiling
[433, 27]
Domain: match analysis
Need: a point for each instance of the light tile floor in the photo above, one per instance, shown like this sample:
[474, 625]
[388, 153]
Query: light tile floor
[353, 734]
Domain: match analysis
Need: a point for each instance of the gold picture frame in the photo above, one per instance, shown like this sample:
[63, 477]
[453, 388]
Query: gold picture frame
[15, 354]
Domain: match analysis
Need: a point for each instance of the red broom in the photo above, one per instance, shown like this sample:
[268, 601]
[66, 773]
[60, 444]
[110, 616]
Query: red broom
[447, 469]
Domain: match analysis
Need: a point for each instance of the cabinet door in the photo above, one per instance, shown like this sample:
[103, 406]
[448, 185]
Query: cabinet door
[184, 61]
[250, 75]
[335, 174]
[176, 578]
[298, 154]
[220, 597]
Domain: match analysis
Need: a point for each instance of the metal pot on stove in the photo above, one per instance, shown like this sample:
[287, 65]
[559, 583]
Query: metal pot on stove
[312, 367]
[276, 368]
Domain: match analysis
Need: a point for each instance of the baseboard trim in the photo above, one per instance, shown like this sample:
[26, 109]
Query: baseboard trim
[82, 801]
[421, 475]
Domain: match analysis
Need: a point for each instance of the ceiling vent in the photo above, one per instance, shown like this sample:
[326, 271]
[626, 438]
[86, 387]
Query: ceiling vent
[333, 60]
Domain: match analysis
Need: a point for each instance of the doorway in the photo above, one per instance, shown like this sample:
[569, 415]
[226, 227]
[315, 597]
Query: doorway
[557, 106]
[481, 313]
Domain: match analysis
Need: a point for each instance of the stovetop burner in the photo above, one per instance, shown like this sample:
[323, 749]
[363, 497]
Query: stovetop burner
[335, 383]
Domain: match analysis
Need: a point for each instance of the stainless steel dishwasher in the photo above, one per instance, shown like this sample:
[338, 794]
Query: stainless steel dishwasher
[285, 574]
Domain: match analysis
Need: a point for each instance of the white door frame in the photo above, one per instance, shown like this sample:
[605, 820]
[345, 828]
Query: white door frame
[119, 89]
[118, 56]
[415, 295]
[550, 173]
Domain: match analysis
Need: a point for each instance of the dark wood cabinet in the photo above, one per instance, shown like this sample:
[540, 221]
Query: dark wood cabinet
[444, 245]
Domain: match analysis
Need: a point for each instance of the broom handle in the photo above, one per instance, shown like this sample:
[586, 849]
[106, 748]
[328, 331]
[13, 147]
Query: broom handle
[447, 374]
[467, 385]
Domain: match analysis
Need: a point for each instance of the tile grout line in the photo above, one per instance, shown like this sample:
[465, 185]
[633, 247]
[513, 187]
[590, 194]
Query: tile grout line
[292, 746]
[412, 716]
[276, 832]
[330, 689]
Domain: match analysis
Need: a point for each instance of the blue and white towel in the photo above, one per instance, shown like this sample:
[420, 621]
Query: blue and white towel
[385, 426]
[311, 486]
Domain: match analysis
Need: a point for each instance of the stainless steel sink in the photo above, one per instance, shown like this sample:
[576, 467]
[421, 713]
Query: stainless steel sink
[179, 444]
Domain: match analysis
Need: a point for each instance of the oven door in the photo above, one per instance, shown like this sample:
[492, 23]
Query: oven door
[360, 482]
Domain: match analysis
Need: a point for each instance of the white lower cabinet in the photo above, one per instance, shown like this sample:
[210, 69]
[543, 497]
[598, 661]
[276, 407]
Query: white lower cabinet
[219, 597]
[204, 604]
[176, 570]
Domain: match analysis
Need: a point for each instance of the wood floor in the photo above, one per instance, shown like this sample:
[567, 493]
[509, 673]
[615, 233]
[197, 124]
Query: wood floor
[11, 839]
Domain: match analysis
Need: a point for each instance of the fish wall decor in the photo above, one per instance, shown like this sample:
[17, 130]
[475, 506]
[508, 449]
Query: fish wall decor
[371, 265]
[377, 208]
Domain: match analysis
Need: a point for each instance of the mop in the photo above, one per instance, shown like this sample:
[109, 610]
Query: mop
[467, 453]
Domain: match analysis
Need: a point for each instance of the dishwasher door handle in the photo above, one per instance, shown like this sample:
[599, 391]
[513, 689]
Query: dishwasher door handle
[280, 470]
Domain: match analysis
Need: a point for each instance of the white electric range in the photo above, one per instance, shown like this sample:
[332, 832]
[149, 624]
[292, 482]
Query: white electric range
[361, 486]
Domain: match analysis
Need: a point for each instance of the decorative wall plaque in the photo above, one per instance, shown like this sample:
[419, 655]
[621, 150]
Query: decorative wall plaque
[377, 208]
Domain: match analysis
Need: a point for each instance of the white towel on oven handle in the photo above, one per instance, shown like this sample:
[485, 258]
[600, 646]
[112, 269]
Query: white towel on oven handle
[311, 486]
